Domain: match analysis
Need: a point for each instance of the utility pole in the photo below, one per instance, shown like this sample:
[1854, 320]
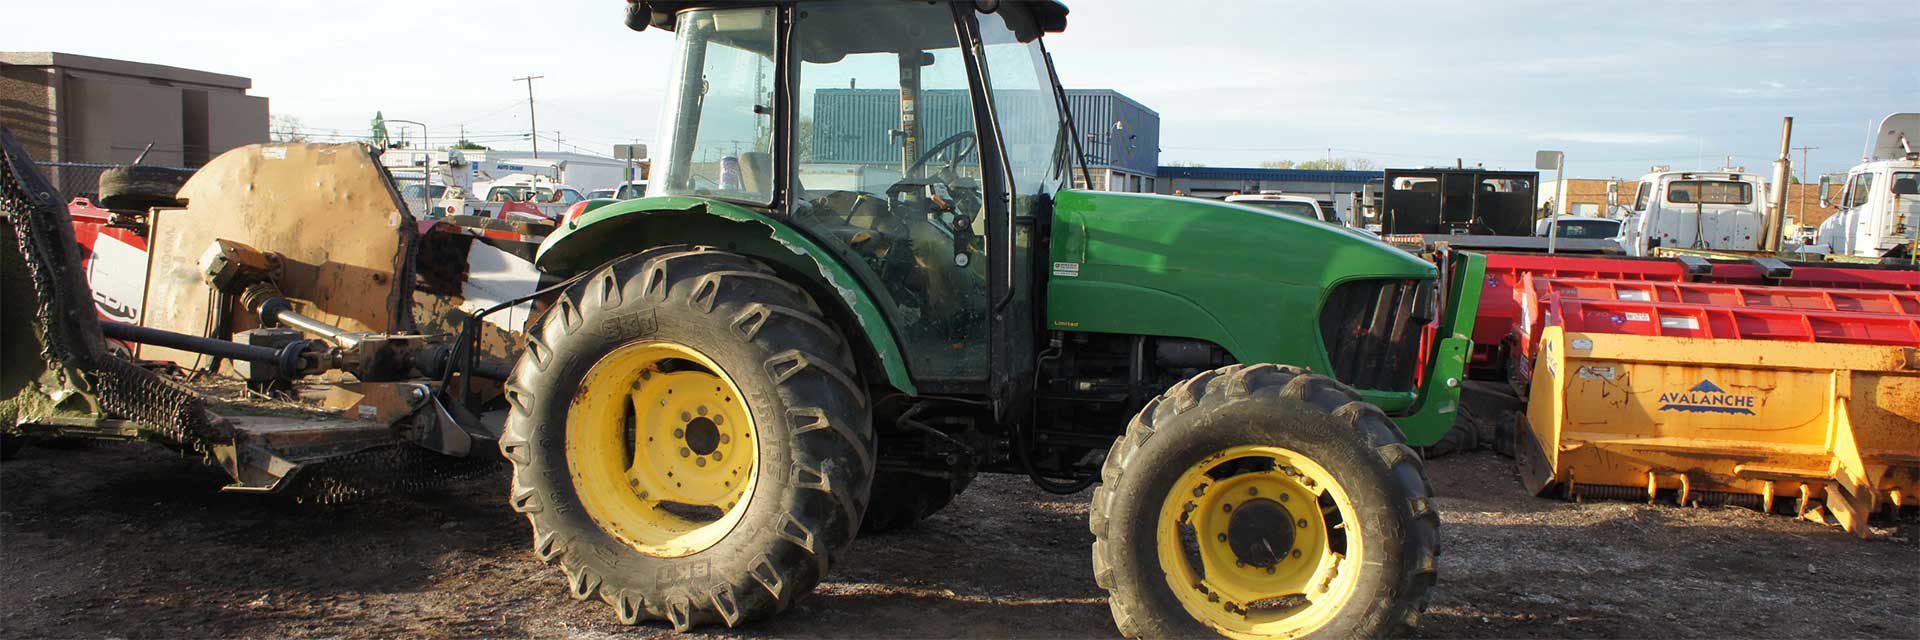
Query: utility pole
[532, 120]
[1802, 217]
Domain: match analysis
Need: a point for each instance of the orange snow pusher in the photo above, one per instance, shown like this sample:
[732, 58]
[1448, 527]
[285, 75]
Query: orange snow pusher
[1782, 398]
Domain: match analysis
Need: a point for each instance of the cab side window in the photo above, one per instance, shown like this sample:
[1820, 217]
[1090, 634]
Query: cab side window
[1641, 197]
[1859, 189]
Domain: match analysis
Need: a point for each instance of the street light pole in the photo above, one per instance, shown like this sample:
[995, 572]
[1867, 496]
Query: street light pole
[533, 121]
[426, 191]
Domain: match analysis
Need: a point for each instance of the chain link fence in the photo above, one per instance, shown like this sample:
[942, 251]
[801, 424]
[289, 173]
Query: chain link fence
[76, 179]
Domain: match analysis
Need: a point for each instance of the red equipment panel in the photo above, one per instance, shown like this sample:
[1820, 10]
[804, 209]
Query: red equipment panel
[1501, 314]
[1739, 312]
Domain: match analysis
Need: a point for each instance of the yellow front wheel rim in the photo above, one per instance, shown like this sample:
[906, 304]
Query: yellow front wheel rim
[1259, 542]
[661, 448]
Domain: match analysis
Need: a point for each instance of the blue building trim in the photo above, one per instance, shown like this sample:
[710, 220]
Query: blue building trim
[1268, 175]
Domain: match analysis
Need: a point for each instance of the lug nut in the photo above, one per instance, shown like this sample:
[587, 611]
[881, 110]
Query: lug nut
[679, 433]
[1303, 523]
[719, 419]
[1223, 537]
[1253, 491]
[699, 462]
[1285, 496]
[684, 453]
[1227, 507]
[723, 437]
[1296, 553]
[686, 417]
[702, 410]
[716, 456]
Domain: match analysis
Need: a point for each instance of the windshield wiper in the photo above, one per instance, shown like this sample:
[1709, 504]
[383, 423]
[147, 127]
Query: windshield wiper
[1066, 117]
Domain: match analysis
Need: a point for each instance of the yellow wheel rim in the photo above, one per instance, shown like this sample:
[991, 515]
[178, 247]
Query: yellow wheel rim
[1259, 542]
[660, 446]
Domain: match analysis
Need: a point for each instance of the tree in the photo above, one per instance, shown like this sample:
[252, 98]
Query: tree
[1185, 163]
[469, 145]
[1277, 164]
[286, 129]
[1338, 164]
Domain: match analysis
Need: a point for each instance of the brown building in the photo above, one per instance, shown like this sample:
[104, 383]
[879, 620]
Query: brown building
[72, 108]
[1584, 196]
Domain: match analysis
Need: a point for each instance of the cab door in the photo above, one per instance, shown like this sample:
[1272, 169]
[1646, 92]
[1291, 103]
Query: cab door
[1021, 115]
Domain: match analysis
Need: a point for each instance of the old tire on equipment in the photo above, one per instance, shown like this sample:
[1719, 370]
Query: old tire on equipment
[141, 187]
[1263, 501]
[689, 438]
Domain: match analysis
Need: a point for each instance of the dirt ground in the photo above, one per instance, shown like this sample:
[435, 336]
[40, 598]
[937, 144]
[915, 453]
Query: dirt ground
[130, 541]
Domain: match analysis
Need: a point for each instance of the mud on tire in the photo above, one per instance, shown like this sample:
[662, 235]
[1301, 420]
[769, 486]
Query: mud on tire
[1274, 406]
[795, 374]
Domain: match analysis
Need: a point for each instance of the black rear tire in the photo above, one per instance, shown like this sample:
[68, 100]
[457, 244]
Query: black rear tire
[795, 374]
[1271, 406]
[141, 187]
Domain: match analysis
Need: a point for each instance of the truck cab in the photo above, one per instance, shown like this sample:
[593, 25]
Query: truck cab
[1879, 207]
[1722, 210]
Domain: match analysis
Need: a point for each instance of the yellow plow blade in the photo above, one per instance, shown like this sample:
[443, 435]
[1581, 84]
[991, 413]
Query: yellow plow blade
[1771, 425]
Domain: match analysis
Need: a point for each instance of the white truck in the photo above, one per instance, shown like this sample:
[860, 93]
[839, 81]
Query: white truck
[1879, 206]
[1301, 206]
[1723, 210]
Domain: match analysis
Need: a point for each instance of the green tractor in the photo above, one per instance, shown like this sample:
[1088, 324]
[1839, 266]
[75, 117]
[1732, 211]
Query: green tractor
[858, 280]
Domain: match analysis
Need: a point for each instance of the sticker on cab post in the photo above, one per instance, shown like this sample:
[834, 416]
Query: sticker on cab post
[1066, 269]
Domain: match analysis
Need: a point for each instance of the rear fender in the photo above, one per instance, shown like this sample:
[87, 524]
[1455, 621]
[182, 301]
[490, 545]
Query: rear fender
[631, 226]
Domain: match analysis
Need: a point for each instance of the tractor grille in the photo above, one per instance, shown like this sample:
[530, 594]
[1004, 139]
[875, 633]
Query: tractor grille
[1373, 328]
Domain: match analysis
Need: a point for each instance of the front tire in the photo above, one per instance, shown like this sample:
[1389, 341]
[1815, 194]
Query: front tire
[689, 439]
[1263, 502]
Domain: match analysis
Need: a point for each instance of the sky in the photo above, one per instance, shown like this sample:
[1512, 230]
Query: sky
[1617, 86]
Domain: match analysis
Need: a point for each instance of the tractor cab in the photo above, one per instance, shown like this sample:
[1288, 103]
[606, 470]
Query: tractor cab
[877, 130]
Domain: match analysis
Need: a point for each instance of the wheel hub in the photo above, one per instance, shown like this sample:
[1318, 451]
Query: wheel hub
[703, 436]
[1260, 532]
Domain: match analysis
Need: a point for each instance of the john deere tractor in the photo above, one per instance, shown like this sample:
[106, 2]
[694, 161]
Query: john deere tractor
[857, 280]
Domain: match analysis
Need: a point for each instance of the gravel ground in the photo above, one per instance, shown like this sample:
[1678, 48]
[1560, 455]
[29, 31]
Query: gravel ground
[130, 541]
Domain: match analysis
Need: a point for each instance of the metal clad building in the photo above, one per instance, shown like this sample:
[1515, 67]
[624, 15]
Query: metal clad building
[1121, 138]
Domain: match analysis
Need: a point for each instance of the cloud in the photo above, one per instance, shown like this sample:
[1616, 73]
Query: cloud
[1569, 64]
[1611, 137]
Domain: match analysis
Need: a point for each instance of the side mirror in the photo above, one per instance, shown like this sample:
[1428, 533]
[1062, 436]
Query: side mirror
[638, 15]
[1826, 192]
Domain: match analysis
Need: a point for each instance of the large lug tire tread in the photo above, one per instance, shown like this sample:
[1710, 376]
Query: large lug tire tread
[901, 500]
[1319, 418]
[814, 466]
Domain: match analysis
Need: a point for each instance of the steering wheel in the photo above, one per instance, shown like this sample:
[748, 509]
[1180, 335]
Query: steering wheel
[953, 165]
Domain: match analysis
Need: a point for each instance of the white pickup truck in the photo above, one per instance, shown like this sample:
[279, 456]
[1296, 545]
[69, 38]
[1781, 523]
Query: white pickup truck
[1723, 210]
[1879, 206]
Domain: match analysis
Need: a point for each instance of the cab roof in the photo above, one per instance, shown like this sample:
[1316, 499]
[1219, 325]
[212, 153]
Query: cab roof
[1051, 14]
